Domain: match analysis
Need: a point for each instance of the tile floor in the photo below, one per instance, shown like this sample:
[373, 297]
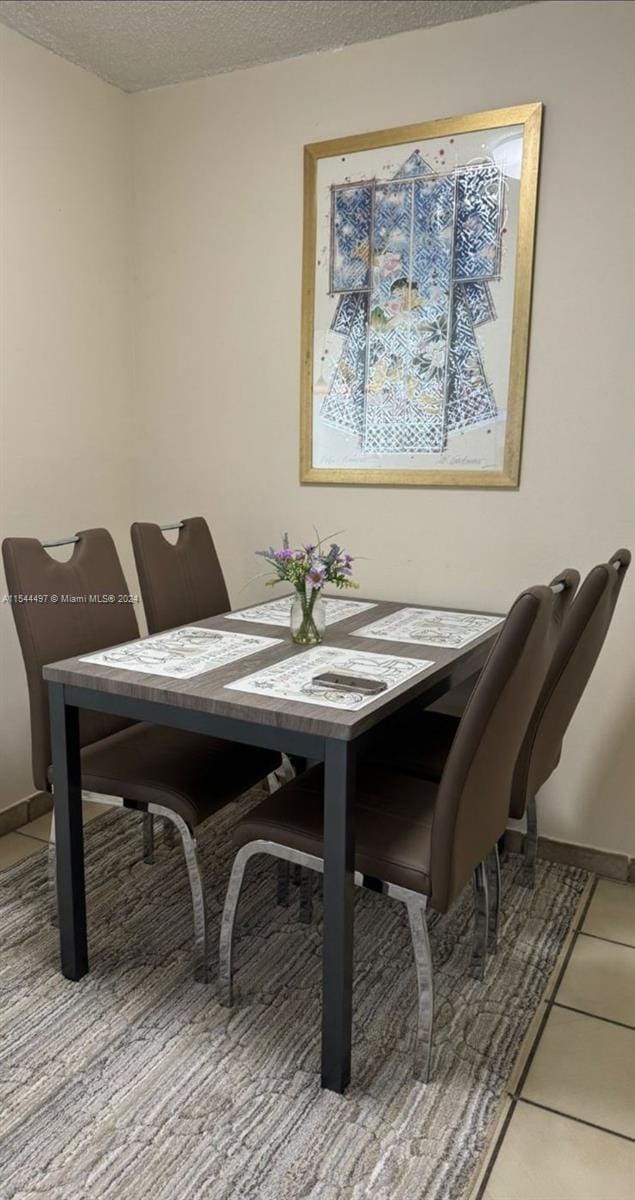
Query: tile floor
[566, 1128]
[14, 847]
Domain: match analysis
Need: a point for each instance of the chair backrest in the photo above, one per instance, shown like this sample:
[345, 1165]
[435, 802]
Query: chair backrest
[584, 630]
[180, 581]
[473, 799]
[50, 630]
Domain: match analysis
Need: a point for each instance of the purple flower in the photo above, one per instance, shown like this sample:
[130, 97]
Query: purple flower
[315, 576]
[309, 566]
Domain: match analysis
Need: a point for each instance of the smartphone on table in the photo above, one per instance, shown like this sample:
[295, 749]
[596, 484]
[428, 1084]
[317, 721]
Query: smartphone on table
[350, 683]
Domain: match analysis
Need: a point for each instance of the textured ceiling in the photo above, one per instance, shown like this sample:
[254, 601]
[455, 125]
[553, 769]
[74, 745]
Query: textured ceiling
[139, 44]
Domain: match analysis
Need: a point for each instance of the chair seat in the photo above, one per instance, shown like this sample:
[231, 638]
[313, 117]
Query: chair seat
[416, 743]
[393, 823]
[190, 773]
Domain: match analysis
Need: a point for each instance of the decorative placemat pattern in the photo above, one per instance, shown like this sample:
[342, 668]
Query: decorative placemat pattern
[278, 611]
[182, 653]
[430, 627]
[293, 678]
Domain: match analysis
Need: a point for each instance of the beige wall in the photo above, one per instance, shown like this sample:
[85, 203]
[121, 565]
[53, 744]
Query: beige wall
[65, 361]
[218, 205]
[205, 419]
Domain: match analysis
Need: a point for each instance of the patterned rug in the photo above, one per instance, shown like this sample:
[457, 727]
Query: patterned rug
[135, 1083]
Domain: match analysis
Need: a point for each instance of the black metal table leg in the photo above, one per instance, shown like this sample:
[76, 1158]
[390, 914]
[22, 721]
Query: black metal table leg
[69, 836]
[339, 860]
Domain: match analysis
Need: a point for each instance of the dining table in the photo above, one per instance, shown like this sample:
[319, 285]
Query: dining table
[311, 731]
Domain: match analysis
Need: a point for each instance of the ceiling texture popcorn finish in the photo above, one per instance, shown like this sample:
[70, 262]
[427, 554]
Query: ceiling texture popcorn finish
[139, 44]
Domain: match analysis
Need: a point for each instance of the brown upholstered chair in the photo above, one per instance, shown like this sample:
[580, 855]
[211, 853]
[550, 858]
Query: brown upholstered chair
[180, 776]
[421, 743]
[417, 840]
[417, 740]
[584, 630]
[181, 581]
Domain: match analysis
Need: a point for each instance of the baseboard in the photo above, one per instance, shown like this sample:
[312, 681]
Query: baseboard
[599, 862]
[23, 811]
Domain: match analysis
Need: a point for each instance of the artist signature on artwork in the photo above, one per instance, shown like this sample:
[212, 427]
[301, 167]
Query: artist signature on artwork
[443, 461]
[463, 460]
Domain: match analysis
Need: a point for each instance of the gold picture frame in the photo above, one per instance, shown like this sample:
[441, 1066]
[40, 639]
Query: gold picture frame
[499, 465]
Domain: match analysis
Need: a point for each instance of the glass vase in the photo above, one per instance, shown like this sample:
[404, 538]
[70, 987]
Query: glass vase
[308, 618]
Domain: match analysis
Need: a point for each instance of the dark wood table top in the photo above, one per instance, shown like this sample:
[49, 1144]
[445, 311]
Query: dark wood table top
[207, 692]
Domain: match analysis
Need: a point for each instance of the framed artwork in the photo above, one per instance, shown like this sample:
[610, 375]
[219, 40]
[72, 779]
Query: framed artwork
[418, 252]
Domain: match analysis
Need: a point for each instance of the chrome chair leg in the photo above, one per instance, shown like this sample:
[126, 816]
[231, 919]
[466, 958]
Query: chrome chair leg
[300, 876]
[493, 872]
[51, 867]
[415, 904]
[528, 875]
[282, 885]
[285, 772]
[281, 775]
[232, 898]
[171, 821]
[148, 837]
[169, 836]
[479, 946]
[226, 945]
[306, 896]
[303, 879]
[197, 888]
[201, 971]
[416, 909]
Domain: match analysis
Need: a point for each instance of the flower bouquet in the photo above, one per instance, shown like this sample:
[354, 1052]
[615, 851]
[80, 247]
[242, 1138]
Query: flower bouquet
[309, 569]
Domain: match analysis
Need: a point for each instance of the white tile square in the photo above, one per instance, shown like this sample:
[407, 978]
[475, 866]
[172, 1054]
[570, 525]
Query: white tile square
[585, 1068]
[547, 1157]
[600, 979]
[612, 912]
[14, 848]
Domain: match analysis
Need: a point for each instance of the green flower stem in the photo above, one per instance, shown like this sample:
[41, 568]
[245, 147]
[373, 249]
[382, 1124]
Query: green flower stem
[307, 634]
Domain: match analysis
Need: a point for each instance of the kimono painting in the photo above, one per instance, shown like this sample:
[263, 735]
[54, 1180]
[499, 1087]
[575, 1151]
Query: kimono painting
[417, 281]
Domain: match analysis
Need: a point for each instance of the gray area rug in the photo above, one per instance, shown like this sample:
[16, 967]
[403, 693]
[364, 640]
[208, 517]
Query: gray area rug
[136, 1083]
